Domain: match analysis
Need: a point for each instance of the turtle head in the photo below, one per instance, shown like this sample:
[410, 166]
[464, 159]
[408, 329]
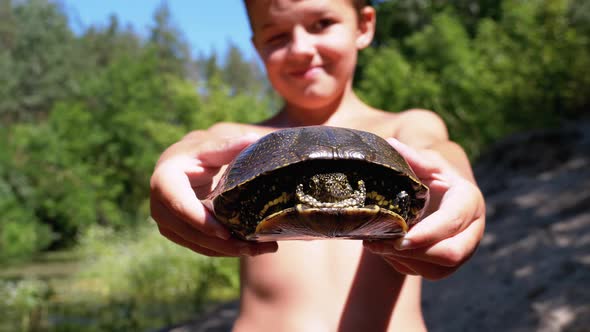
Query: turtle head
[330, 187]
[330, 190]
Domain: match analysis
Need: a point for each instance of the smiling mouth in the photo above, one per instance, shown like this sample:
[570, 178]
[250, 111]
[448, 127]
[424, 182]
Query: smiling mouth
[306, 73]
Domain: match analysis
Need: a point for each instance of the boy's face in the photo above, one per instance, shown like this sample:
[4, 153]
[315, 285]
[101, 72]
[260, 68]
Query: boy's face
[309, 47]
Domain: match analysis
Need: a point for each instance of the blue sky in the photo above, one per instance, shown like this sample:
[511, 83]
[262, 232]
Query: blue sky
[206, 24]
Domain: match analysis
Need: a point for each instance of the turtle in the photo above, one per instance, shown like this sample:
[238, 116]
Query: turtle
[318, 182]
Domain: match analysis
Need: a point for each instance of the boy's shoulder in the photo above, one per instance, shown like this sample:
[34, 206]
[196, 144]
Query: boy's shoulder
[420, 127]
[419, 114]
[409, 116]
[234, 128]
[416, 127]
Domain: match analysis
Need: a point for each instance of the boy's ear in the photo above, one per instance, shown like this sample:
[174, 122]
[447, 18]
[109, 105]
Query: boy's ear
[366, 29]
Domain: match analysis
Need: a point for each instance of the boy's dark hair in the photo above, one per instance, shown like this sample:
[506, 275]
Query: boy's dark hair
[357, 4]
[360, 4]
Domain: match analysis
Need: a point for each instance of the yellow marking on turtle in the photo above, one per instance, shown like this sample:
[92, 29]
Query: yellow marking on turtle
[284, 198]
[394, 207]
[380, 199]
[374, 195]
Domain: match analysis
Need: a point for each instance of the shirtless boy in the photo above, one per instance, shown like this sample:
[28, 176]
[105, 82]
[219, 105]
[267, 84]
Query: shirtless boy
[309, 49]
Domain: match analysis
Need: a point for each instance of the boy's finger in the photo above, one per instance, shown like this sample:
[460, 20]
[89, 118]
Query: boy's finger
[220, 152]
[422, 165]
[174, 193]
[169, 234]
[449, 219]
[194, 239]
[451, 252]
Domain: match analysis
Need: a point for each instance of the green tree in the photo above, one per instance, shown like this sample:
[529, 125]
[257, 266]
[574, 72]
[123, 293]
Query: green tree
[99, 47]
[240, 74]
[90, 161]
[7, 25]
[169, 42]
[21, 233]
[220, 104]
[34, 66]
[503, 68]
[210, 68]
[399, 19]
[88, 157]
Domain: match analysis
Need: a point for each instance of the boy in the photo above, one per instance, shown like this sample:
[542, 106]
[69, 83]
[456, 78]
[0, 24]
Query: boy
[309, 49]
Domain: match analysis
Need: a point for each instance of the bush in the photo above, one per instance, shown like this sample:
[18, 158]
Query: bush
[126, 281]
[21, 233]
[139, 280]
[23, 304]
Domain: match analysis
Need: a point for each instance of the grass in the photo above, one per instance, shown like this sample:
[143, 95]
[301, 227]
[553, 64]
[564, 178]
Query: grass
[51, 265]
[135, 280]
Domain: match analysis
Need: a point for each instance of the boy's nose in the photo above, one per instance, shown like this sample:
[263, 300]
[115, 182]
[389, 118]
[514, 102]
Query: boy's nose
[302, 42]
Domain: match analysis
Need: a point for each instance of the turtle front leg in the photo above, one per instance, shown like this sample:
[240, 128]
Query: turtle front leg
[402, 202]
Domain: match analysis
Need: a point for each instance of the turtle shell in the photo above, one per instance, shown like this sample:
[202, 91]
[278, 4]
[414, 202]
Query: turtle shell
[319, 182]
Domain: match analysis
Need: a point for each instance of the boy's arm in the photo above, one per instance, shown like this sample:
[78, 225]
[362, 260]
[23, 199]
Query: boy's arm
[454, 222]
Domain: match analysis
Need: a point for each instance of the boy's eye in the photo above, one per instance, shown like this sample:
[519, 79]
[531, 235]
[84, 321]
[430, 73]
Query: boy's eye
[277, 39]
[322, 24]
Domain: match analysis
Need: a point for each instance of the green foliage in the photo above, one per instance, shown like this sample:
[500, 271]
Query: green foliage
[98, 47]
[240, 74]
[401, 18]
[221, 103]
[23, 304]
[127, 281]
[87, 157]
[169, 43]
[77, 150]
[35, 71]
[21, 233]
[407, 86]
[143, 264]
[524, 64]
[100, 147]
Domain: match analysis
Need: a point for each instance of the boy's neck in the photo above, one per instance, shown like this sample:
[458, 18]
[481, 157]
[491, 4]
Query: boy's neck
[349, 105]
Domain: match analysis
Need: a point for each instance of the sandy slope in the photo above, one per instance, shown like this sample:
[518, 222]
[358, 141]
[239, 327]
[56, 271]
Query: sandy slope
[532, 269]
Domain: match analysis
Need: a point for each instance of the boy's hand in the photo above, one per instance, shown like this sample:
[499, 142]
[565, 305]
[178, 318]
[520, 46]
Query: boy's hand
[452, 227]
[185, 172]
